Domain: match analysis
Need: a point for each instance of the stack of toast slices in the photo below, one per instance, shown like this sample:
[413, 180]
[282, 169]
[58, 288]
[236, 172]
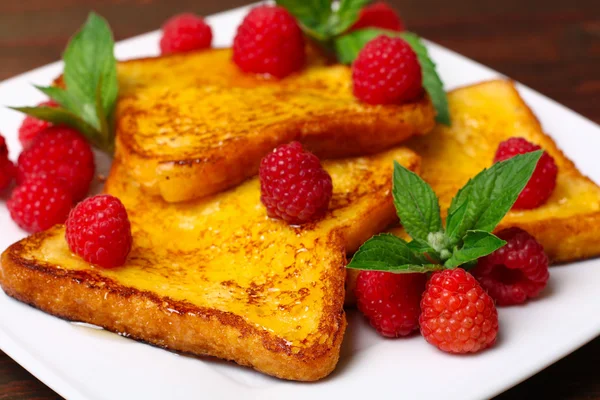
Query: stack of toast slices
[209, 273]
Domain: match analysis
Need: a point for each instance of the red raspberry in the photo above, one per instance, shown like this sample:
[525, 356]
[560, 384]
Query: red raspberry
[185, 32]
[386, 71]
[61, 153]
[31, 127]
[390, 301]
[8, 171]
[515, 272]
[98, 230]
[3, 148]
[39, 204]
[378, 15]
[543, 181]
[269, 41]
[457, 315]
[294, 186]
[7, 168]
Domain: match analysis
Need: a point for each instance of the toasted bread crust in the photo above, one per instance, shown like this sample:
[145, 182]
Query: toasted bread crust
[86, 296]
[184, 135]
[258, 292]
[483, 115]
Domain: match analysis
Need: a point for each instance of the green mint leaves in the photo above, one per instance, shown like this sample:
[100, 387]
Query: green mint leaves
[90, 76]
[320, 20]
[349, 45]
[474, 212]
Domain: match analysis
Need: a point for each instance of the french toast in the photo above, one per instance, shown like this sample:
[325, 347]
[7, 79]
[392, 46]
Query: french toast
[216, 276]
[483, 115]
[189, 125]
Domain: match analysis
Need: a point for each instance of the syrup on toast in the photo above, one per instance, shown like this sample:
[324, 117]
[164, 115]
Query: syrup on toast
[216, 276]
[483, 115]
[190, 125]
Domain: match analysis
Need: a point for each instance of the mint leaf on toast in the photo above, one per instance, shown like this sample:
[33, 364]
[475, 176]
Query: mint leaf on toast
[416, 204]
[349, 45]
[88, 101]
[475, 211]
[476, 244]
[387, 252]
[485, 199]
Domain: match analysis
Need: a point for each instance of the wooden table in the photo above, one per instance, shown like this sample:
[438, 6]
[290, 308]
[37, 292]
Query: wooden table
[552, 46]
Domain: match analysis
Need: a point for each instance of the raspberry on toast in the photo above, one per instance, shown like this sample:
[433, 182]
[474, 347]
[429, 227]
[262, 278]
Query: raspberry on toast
[483, 115]
[217, 276]
[190, 125]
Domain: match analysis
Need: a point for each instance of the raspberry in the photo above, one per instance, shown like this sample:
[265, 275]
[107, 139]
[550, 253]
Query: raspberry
[185, 32]
[390, 301]
[31, 127]
[3, 148]
[98, 230]
[516, 271]
[457, 315]
[7, 168]
[39, 204]
[63, 154]
[543, 181]
[269, 41]
[294, 186]
[7, 173]
[378, 15]
[386, 71]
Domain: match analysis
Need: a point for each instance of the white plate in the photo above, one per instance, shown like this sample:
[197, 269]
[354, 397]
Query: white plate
[83, 363]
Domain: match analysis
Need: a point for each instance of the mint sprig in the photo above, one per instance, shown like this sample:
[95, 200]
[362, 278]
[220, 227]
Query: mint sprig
[474, 213]
[318, 18]
[349, 45]
[88, 101]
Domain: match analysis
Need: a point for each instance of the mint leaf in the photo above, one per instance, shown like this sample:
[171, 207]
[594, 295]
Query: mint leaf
[62, 116]
[90, 76]
[349, 45]
[89, 59]
[346, 15]
[387, 252]
[313, 15]
[484, 200]
[475, 244]
[431, 80]
[416, 203]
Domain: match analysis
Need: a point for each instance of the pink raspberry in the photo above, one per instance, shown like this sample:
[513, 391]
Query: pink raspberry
[269, 41]
[387, 71]
[294, 186]
[98, 230]
[185, 32]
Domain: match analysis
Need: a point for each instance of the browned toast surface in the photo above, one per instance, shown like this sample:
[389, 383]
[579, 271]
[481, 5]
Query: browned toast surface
[193, 124]
[217, 276]
[483, 115]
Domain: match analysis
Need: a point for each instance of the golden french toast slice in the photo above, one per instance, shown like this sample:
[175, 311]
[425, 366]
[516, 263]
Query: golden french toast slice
[217, 276]
[483, 115]
[193, 124]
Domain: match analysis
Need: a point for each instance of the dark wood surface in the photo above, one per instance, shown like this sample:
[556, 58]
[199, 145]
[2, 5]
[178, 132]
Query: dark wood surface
[552, 46]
